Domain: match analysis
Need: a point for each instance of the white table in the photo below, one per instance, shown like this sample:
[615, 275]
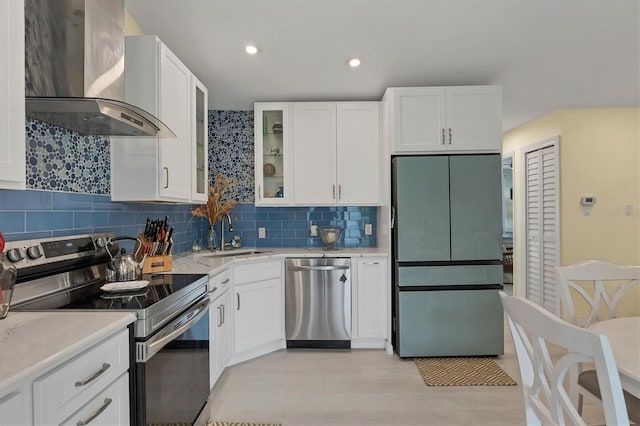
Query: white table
[624, 337]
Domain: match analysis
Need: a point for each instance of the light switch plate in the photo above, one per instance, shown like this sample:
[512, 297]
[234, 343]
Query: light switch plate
[368, 229]
[262, 233]
[628, 210]
[314, 230]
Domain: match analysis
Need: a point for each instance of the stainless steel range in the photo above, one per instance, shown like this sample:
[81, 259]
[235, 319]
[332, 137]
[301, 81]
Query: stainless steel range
[170, 364]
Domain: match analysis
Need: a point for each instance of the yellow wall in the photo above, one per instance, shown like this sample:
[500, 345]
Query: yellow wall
[600, 156]
[130, 25]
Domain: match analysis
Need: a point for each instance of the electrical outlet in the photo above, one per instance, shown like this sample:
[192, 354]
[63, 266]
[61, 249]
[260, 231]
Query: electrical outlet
[314, 230]
[368, 229]
[628, 210]
[262, 233]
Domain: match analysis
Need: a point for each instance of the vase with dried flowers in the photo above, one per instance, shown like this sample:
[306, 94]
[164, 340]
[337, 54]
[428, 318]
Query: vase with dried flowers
[217, 207]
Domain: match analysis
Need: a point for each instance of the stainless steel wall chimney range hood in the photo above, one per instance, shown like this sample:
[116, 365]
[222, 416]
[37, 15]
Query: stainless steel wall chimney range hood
[74, 69]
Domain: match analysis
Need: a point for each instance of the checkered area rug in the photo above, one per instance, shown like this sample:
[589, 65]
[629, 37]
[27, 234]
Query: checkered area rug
[462, 371]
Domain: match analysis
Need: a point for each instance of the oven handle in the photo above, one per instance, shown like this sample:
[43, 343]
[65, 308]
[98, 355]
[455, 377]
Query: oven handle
[146, 350]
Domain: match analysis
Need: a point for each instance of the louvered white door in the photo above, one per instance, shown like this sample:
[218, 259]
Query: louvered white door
[542, 219]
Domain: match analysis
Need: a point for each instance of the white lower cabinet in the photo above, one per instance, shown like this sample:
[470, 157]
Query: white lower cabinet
[371, 310]
[109, 407]
[247, 318]
[15, 406]
[258, 310]
[79, 383]
[90, 388]
[220, 329]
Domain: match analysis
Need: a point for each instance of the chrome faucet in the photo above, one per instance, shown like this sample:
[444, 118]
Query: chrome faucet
[223, 243]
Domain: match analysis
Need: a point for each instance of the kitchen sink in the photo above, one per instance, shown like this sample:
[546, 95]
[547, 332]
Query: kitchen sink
[233, 252]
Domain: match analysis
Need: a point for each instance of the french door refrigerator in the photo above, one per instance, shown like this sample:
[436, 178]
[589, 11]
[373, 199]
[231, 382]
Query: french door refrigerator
[447, 255]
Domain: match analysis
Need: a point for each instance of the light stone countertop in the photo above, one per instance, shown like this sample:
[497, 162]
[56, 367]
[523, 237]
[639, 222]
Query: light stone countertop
[31, 343]
[212, 263]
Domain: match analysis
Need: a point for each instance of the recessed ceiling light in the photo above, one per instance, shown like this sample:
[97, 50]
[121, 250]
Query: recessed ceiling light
[355, 62]
[251, 50]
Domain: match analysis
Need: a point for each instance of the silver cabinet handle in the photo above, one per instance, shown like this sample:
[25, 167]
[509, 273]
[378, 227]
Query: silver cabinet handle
[107, 402]
[340, 192]
[393, 217]
[259, 193]
[449, 135]
[442, 136]
[370, 263]
[225, 281]
[334, 192]
[8, 397]
[166, 175]
[97, 374]
[219, 316]
[238, 298]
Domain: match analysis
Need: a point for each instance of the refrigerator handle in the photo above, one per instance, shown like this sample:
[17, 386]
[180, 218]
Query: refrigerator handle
[393, 216]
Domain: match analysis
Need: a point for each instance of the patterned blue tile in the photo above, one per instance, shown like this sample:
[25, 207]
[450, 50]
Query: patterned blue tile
[231, 151]
[61, 160]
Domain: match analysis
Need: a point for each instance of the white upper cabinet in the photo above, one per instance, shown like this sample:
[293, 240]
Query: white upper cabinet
[314, 153]
[336, 153]
[358, 153]
[12, 115]
[272, 154]
[153, 168]
[200, 138]
[433, 119]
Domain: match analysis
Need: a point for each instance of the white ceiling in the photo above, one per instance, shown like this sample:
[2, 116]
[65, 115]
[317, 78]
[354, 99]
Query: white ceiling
[547, 54]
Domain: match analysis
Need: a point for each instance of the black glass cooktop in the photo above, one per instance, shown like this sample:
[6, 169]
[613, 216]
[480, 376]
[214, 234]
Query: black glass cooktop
[161, 286]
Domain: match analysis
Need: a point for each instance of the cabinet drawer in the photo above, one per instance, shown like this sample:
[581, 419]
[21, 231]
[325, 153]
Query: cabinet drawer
[109, 407]
[61, 392]
[257, 272]
[220, 281]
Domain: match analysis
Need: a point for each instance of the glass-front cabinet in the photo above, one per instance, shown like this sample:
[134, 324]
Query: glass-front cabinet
[199, 181]
[272, 134]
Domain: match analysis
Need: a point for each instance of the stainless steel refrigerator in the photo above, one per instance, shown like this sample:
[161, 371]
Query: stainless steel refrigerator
[447, 255]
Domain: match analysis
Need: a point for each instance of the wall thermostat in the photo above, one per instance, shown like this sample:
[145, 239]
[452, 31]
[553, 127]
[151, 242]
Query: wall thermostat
[588, 200]
[587, 203]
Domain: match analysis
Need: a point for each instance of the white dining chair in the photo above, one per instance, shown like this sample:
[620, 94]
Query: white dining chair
[546, 401]
[600, 286]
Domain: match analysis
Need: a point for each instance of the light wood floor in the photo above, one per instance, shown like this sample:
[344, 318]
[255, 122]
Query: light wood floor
[361, 387]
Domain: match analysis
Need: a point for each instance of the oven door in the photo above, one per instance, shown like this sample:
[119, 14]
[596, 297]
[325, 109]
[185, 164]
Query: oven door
[172, 370]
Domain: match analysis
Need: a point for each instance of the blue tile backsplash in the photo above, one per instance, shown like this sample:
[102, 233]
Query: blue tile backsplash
[61, 160]
[68, 176]
[231, 150]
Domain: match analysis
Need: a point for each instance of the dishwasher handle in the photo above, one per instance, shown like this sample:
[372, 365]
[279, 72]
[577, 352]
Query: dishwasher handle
[320, 268]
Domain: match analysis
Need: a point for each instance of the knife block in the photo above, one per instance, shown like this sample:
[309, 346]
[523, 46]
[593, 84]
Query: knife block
[153, 264]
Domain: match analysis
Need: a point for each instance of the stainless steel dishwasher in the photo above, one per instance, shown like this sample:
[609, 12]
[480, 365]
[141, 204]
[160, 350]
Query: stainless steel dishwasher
[318, 303]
